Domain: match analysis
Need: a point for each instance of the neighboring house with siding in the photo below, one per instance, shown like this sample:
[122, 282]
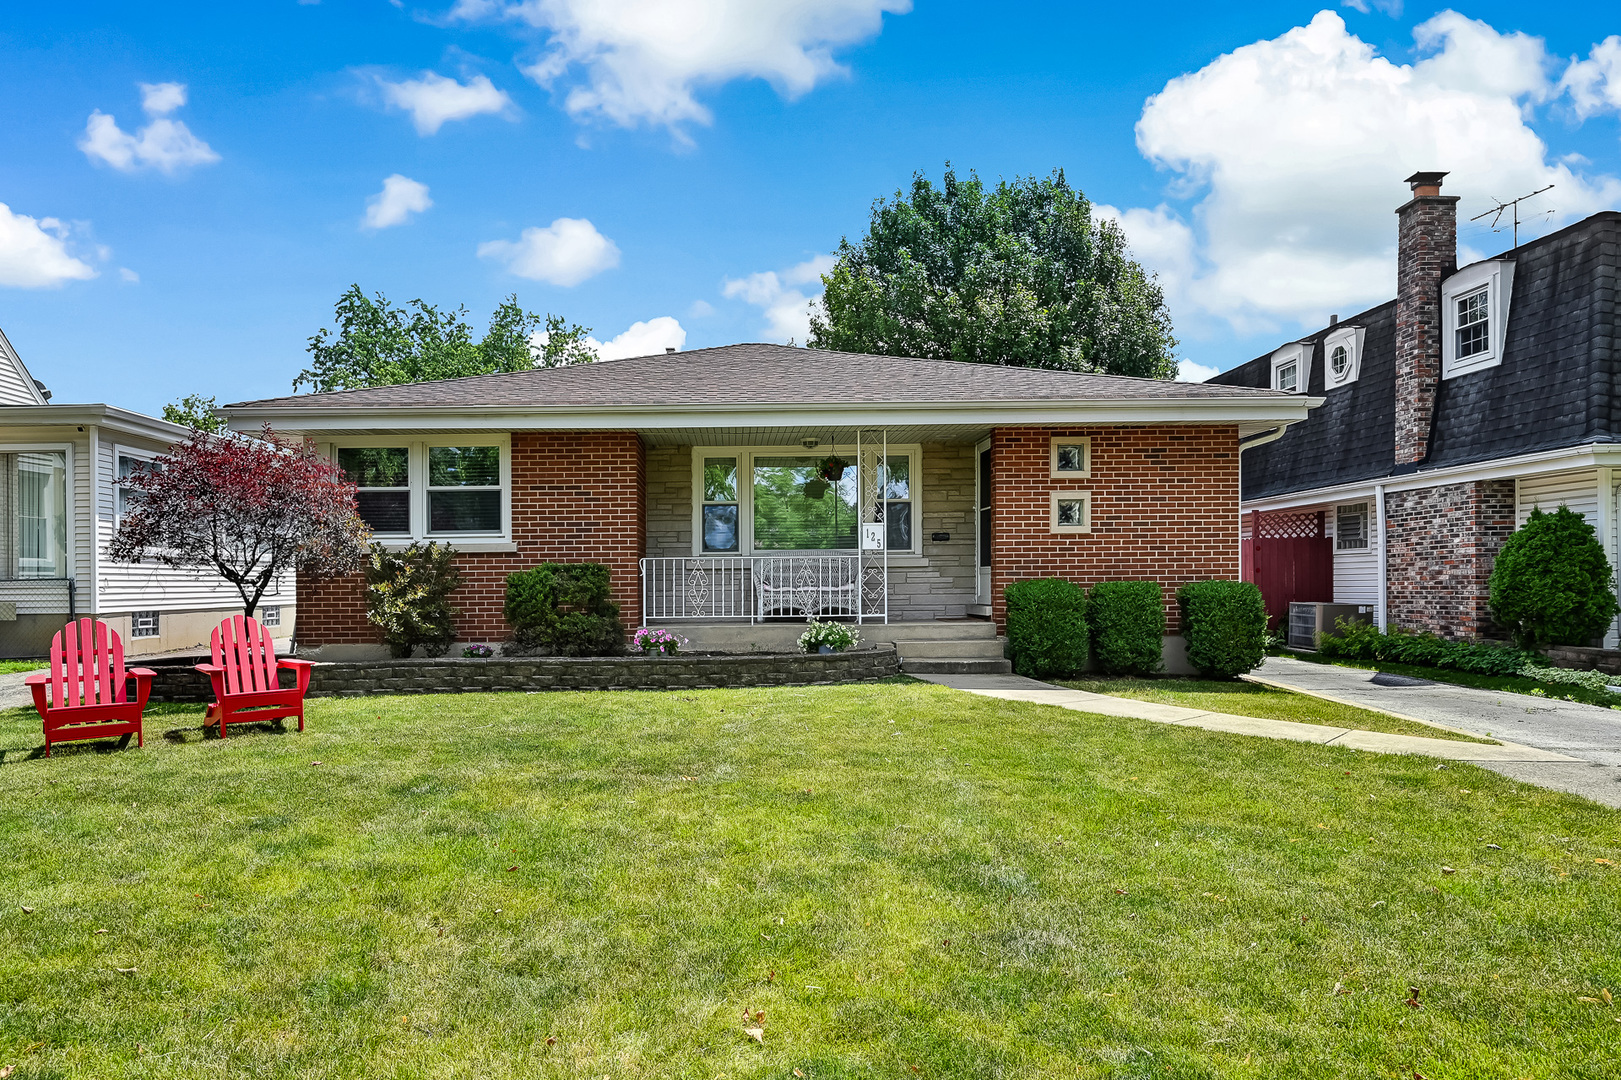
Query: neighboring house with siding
[1448, 414]
[697, 478]
[59, 506]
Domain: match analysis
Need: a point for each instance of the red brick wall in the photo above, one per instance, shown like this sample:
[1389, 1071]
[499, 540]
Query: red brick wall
[1164, 508]
[576, 497]
[1441, 544]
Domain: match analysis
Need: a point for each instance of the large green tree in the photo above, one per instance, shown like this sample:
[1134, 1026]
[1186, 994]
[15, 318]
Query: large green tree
[1022, 273]
[378, 344]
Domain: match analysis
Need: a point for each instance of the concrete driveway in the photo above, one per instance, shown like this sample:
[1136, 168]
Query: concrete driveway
[1588, 732]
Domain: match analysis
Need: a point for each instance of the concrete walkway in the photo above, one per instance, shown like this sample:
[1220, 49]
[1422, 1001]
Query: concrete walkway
[1533, 765]
[1589, 734]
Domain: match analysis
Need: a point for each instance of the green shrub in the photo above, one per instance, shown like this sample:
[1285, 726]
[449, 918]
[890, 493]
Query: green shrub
[1368, 644]
[1225, 626]
[562, 609]
[1552, 584]
[1127, 624]
[407, 596]
[1046, 627]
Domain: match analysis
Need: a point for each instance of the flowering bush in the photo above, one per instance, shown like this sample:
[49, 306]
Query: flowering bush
[478, 652]
[650, 640]
[836, 636]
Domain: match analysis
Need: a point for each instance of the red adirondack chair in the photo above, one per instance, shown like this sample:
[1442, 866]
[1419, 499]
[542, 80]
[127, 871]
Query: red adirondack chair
[89, 687]
[244, 674]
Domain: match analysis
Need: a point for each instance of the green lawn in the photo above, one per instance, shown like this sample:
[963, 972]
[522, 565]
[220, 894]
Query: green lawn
[906, 880]
[11, 667]
[1266, 702]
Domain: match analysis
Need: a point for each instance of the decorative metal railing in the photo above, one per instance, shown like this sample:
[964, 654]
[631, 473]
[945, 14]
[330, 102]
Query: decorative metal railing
[762, 587]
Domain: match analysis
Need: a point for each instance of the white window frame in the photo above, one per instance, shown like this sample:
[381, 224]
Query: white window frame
[417, 449]
[1299, 354]
[1083, 473]
[1085, 497]
[270, 615]
[1496, 276]
[136, 453]
[1367, 528]
[70, 496]
[745, 456]
[135, 624]
[1348, 338]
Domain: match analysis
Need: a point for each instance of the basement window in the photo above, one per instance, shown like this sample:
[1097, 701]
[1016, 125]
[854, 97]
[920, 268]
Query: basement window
[270, 616]
[143, 624]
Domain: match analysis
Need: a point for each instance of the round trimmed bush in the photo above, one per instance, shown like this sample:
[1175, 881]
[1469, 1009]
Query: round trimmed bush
[1127, 624]
[1552, 584]
[1225, 626]
[1046, 627]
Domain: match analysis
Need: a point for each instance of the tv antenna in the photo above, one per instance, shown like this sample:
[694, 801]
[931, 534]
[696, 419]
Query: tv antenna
[1496, 212]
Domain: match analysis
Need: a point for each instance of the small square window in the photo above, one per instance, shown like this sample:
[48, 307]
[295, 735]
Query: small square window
[1351, 527]
[270, 616]
[1071, 511]
[1071, 457]
[143, 624]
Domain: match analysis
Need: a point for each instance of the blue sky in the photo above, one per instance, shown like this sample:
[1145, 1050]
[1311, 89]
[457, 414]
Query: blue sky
[189, 189]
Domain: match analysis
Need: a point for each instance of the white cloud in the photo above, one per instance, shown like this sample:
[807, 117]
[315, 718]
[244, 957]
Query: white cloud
[34, 253]
[1392, 8]
[164, 144]
[1188, 371]
[566, 252]
[700, 309]
[433, 100]
[787, 308]
[1594, 84]
[1295, 149]
[125, 274]
[400, 198]
[642, 339]
[643, 61]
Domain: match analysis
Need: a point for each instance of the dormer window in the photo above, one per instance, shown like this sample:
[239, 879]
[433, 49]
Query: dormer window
[1342, 350]
[1474, 315]
[1289, 370]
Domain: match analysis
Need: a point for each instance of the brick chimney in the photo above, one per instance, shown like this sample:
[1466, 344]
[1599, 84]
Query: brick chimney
[1426, 252]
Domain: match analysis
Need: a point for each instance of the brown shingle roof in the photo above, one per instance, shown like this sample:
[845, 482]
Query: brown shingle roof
[758, 374]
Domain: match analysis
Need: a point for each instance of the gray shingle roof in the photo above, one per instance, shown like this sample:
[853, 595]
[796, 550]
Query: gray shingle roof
[766, 375]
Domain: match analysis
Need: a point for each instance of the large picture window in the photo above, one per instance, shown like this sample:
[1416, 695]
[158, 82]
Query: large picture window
[441, 490]
[33, 506]
[778, 500]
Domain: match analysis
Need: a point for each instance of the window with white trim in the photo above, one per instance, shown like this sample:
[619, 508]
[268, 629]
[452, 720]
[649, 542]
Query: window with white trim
[130, 463]
[1342, 356]
[270, 615]
[452, 488]
[1351, 527]
[1289, 368]
[1071, 512]
[750, 500]
[1474, 316]
[33, 514]
[1070, 456]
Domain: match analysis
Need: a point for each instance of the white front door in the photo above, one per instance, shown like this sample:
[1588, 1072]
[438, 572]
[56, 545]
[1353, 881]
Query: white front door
[982, 520]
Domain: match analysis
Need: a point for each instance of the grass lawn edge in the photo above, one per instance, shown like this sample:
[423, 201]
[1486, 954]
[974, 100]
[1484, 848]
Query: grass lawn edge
[1470, 735]
[1506, 684]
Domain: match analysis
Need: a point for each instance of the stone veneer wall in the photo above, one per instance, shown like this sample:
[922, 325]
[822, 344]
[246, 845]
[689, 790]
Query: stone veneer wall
[940, 582]
[1164, 508]
[1440, 544]
[179, 683]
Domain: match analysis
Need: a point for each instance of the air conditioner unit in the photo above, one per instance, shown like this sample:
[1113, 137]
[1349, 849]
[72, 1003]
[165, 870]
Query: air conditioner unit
[1306, 621]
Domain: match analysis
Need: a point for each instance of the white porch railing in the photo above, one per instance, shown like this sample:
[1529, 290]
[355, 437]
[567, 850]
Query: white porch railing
[763, 587]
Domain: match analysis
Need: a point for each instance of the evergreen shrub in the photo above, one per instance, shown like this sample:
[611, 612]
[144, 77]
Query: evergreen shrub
[1127, 624]
[562, 609]
[1551, 584]
[1046, 627]
[408, 597]
[1224, 623]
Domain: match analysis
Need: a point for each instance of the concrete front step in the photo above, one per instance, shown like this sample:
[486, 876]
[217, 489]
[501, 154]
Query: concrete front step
[934, 649]
[944, 666]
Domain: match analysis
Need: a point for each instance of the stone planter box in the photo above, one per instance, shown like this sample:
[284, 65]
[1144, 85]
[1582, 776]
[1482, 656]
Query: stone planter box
[177, 682]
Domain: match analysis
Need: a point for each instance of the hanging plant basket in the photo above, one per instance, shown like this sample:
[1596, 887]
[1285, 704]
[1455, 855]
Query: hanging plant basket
[831, 468]
[816, 488]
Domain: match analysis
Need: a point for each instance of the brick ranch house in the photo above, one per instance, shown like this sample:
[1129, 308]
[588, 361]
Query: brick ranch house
[698, 478]
[1448, 414]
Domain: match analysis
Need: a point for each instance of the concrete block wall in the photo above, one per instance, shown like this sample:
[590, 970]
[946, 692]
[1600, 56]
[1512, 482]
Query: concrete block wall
[1441, 543]
[576, 497]
[1164, 508]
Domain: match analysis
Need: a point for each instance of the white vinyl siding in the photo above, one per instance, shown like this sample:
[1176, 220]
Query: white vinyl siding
[1356, 570]
[16, 386]
[125, 587]
[1577, 490]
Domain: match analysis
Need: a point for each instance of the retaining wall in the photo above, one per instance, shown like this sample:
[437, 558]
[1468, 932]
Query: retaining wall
[178, 683]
